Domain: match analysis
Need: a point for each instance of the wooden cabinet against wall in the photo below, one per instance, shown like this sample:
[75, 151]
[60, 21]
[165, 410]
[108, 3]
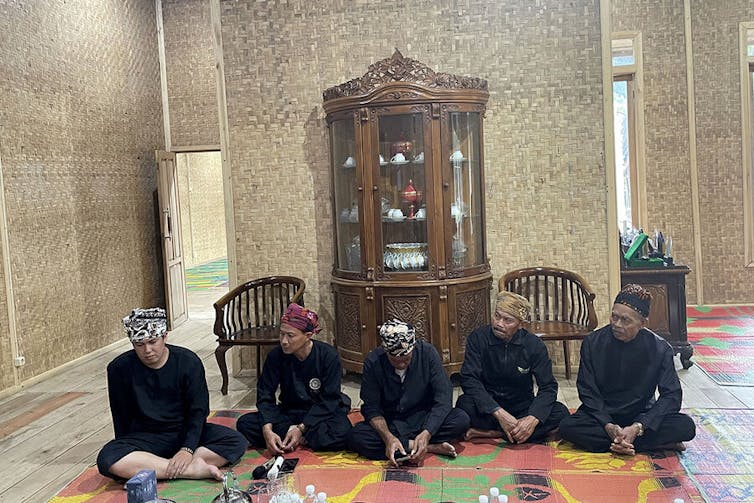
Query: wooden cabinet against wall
[667, 312]
[406, 154]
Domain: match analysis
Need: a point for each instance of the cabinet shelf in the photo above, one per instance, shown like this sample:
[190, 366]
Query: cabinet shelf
[443, 289]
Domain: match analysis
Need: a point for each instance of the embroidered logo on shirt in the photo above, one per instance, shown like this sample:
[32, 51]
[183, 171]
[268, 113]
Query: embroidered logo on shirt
[314, 384]
[522, 371]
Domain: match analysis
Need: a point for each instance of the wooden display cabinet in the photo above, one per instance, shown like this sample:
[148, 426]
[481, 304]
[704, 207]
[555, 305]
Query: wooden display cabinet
[667, 312]
[406, 153]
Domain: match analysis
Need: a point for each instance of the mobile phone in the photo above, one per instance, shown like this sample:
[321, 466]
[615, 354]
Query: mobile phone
[403, 459]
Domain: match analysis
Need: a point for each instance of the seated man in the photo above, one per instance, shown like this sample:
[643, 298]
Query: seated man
[501, 363]
[622, 365]
[407, 400]
[159, 402]
[312, 409]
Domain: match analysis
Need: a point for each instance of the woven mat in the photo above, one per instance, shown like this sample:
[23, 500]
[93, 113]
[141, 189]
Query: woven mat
[207, 275]
[721, 458]
[554, 472]
[723, 341]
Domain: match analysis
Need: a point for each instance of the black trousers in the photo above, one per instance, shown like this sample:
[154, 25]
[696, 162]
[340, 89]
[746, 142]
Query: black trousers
[483, 421]
[587, 433]
[365, 440]
[328, 435]
[219, 439]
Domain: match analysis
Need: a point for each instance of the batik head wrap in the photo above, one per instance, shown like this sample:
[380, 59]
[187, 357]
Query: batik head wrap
[398, 338]
[145, 324]
[514, 305]
[301, 318]
[636, 298]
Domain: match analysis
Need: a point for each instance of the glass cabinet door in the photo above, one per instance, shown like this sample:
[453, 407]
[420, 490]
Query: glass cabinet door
[402, 184]
[347, 229]
[463, 155]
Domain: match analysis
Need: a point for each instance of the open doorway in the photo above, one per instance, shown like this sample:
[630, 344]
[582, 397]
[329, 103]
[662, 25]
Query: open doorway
[202, 209]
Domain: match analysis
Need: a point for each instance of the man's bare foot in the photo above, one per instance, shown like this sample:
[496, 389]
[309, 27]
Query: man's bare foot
[472, 433]
[443, 449]
[200, 469]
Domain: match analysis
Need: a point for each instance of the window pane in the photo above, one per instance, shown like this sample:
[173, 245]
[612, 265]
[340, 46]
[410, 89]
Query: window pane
[343, 149]
[623, 52]
[466, 190]
[403, 183]
[623, 60]
[622, 154]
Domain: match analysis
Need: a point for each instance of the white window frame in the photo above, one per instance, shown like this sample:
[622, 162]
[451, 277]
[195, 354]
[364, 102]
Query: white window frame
[634, 75]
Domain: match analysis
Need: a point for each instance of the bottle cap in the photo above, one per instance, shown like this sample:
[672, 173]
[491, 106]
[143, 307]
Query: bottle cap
[310, 490]
[494, 492]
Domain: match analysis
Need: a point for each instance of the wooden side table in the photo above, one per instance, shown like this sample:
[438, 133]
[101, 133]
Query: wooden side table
[667, 313]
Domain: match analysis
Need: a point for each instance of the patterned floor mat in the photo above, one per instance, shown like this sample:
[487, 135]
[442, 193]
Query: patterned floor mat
[208, 275]
[554, 472]
[721, 458]
[723, 341]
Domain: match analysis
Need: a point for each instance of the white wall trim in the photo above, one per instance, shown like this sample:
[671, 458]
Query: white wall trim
[163, 75]
[7, 274]
[64, 367]
[746, 144]
[222, 111]
[613, 248]
[694, 168]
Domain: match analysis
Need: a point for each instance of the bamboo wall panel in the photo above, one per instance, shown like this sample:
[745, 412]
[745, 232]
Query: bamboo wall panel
[668, 171]
[190, 63]
[718, 123]
[79, 122]
[543, 134]
[200, 188]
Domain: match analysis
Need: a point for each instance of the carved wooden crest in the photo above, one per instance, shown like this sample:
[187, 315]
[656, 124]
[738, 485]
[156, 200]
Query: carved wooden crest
[399, 69]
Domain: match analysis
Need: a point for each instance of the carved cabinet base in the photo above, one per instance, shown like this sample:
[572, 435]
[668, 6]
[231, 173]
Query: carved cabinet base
[442, 312]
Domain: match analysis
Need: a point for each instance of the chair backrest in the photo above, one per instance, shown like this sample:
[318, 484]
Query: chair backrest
[257, 303]
[555, 294]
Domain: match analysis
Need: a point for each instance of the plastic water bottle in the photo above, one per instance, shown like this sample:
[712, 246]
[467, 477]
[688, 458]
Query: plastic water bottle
[503, 498]
[322, 497]
[494, 493]
[311, 495]
[483, 498]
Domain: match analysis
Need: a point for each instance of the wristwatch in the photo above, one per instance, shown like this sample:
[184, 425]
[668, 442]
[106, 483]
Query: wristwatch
[641, 428]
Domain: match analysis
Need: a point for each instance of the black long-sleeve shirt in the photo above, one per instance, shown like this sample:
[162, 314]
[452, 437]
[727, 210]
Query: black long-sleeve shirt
[496, 373]
[173, 398]
[422, 400]
[311, 385]
[617, 380]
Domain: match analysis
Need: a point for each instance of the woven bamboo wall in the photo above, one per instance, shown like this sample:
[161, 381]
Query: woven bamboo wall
[80, 105]
[718, 123]
[6, 353]
[543, 133]
[668, 172]
[190, 65]
[200, 188]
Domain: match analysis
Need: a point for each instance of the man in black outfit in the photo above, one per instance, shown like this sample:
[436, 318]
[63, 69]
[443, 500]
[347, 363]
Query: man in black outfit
[622, 365]
[501, 363]
[407, 400]
[312, 410]
[159, 403]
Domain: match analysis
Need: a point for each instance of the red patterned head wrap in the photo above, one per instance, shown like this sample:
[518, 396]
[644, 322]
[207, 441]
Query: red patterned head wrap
[301, 318]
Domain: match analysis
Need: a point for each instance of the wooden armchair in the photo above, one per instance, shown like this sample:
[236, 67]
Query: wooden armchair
[249, 315]
[562, 304]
